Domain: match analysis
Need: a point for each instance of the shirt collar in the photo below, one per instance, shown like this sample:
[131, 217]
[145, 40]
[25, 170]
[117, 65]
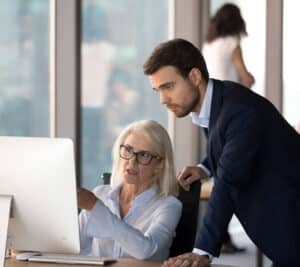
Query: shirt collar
[145, 197]
[141, 199]
[202, 119]
[113, 194]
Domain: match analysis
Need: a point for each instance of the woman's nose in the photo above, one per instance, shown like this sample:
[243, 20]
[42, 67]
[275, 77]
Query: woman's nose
[133, 160]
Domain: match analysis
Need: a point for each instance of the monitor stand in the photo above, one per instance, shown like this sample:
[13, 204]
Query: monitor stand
[5, 205]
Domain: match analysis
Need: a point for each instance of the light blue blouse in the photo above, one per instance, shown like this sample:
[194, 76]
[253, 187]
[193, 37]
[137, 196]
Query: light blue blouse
[146, 232]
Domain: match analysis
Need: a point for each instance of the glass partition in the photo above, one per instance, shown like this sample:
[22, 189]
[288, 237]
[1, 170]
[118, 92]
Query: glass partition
[117, 37]
[291, 55]
[24, 67]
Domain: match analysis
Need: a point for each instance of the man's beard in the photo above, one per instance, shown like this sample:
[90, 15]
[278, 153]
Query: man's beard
[192, 105]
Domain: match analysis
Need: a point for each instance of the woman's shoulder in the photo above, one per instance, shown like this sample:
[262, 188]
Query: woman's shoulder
[166, 205]
[171, 201]
[227, 41]
[231, 42]
[102, 190]
[220, 47]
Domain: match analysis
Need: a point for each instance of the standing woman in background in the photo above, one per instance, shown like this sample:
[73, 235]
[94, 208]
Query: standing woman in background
[224, 59]
[222, 50]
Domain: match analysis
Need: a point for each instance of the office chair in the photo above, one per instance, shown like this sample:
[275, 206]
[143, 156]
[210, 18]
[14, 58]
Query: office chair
[105, 177]
[186, 229]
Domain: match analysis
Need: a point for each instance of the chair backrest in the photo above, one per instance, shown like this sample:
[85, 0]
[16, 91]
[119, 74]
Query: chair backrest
[186, 229]
[105, 177]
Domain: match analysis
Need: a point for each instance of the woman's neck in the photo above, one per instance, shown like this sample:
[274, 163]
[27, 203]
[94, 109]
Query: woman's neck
[127, 195]
[130, 191]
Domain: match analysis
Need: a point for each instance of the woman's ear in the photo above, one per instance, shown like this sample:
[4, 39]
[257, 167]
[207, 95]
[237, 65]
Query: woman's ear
[195, 76]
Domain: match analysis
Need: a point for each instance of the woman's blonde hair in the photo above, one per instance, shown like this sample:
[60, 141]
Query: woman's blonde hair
[159, 139]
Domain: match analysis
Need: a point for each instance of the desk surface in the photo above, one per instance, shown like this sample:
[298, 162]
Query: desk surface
[119, 263]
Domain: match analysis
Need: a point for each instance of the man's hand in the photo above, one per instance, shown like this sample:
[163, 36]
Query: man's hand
[187, 260]
[86, 199]
[189, 175]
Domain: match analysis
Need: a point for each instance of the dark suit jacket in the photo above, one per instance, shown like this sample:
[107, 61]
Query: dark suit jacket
[254, 156]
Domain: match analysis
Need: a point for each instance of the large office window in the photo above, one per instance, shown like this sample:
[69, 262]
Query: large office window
[291, 57]
[254, 13]
[117, 36]
[24, 67]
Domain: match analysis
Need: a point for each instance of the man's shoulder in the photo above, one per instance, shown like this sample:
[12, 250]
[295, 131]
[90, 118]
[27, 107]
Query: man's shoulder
[233, 91]
[229, 92]
[237, 99]
[228, 85]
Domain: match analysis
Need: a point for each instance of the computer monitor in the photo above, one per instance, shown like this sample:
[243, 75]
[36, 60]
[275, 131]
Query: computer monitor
[39, 174]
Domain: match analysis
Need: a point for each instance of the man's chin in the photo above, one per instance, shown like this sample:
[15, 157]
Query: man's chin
[180, 114]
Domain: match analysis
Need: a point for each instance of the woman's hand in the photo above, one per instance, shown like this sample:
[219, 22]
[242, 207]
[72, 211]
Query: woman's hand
[86, 199]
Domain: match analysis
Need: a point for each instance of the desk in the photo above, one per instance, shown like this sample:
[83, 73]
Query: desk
[119, 263]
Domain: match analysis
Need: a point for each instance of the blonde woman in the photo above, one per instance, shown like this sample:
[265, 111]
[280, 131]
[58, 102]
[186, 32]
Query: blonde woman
[136, 215]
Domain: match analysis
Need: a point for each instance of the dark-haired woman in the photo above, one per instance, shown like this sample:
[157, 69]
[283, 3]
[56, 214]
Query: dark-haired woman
[222, 50]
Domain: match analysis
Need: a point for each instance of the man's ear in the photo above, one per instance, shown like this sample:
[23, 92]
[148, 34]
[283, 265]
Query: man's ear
[195, 76]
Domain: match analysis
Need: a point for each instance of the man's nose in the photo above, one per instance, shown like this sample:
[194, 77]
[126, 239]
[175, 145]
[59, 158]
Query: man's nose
[164, 99]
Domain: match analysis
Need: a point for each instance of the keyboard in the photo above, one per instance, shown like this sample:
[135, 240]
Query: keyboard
[70, 259]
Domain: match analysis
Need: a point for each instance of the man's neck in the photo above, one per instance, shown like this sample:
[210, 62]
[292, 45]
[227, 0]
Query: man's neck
[202, 90]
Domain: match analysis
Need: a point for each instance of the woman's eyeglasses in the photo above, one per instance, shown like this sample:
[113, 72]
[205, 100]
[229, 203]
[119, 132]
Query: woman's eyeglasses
[142, 157]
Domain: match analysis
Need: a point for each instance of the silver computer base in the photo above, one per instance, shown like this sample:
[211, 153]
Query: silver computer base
[5, 204]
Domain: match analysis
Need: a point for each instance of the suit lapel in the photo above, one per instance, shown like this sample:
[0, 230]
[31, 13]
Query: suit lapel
[216, 106]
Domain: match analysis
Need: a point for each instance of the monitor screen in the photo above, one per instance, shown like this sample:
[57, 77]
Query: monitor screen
[39, 173]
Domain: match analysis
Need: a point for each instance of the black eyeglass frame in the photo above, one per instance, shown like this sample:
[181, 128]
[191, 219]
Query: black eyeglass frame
[136, 154]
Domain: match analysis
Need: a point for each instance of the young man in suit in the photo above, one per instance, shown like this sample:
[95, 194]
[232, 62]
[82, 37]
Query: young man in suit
[252, 153]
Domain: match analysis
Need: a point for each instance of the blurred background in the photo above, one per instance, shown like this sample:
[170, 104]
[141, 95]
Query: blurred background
[72, 68]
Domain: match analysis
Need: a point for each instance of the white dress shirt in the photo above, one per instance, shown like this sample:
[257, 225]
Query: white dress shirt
[202, 120]
[145, 232]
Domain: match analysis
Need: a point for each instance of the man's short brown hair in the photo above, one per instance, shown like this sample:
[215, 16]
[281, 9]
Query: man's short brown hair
[178, 53]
